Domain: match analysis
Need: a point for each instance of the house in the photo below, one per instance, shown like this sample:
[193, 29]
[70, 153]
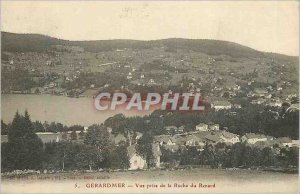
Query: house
[109, 130]
[138, 162]
[214, 127]
[252, 138]
[284, 141]
[213, 138]
[293, 108]
[268, 96]
[151, 81]
[228, 137]
[163, 140]
[275, 103]
[202, 127]
[221, 105]
[171, 128]
[46, 137]
[201, 134]
[296, 143]
[135, 160]
[174, 129]
[237, 106]
[180, 129]
[85, 129]
[4, 138]
[263, 144]
[258, 101]
[118, 139]
[172, 148]
[138, 135]
[193, 140]
[260, 92]
[222, 136]
[179, 140]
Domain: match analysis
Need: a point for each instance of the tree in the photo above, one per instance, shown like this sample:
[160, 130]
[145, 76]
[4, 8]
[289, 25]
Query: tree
[81, 135]
[88, 157]
[207, 155]
[52, 127]
[46, 126]
[268, 157]
[116, 157]
[4, 128]
[26, 148]
[293, 156]
[144, 148]
[190, 156]
[7, 157]
[38, 126]
[236, 154]
[69, 156]
[64, 135]
[97, 135]
[76, 128]
[37, 91]
[73, 135]
[59, 127]
[123, 156]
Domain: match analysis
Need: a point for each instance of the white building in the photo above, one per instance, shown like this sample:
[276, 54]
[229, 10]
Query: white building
[138, 162]
[214, 127]
[202, 127]
[229, 137]
[284, 141]
[252, 138]
[135, 160]
[221, 105]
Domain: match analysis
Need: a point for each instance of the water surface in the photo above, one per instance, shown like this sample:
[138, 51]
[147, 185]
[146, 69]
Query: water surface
[69, 111]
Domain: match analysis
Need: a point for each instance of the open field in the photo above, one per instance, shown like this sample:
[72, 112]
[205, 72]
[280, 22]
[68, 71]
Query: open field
[235, 181]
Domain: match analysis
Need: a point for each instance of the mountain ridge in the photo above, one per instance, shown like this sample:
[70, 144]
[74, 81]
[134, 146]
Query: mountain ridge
[14, 42]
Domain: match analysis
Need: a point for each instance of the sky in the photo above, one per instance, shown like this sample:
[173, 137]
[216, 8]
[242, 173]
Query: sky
[271, 26]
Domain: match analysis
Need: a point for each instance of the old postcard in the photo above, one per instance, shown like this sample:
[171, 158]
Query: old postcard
[149, 97]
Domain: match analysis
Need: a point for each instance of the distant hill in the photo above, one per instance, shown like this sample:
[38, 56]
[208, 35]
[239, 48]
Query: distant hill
[12, 42]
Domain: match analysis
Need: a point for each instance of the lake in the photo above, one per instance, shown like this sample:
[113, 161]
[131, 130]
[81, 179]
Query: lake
[180, 181]
[68, 111]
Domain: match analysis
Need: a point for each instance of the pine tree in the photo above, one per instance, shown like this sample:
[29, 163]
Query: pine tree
[25, 147]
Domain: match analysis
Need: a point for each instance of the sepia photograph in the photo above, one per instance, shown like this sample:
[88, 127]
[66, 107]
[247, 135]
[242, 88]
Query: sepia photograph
[149, 97]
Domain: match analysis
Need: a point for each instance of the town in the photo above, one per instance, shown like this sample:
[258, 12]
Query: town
[175, 148]
[250, 99]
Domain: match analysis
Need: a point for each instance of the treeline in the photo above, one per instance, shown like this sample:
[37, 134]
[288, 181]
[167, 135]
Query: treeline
[250, 118]
[25, 150]
[65, 156]
[38, 126]
[237, 155]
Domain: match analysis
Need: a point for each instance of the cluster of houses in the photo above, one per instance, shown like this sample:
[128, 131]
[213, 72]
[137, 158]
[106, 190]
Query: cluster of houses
[203, 134]
[263, 96]
[212, 134]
